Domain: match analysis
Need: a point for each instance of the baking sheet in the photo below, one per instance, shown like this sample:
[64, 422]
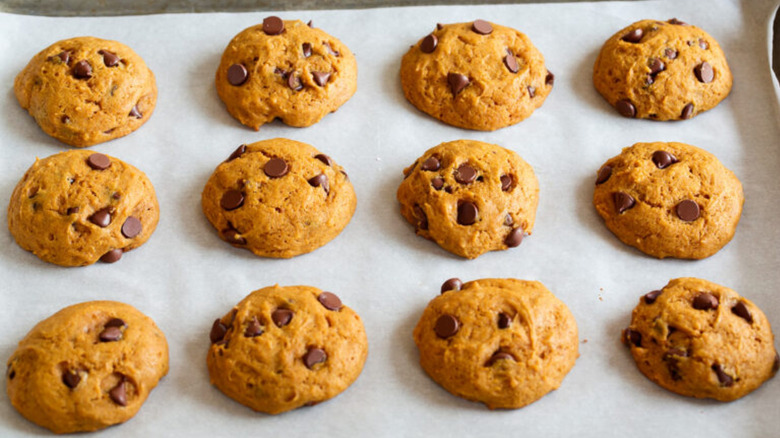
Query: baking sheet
[185, 276]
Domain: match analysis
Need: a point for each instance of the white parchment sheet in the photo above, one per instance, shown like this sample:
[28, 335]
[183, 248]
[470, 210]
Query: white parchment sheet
[185, 276]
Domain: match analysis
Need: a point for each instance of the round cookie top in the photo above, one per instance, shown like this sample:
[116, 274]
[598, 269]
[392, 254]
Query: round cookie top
[83, 91]
[476, 75]
[77, 207]
[87, 367]
[669, 200]
[503, 342]
[700, 339]
[470, 197]
[278, 198]
[662, 71]
[281, 348]
[285, 69]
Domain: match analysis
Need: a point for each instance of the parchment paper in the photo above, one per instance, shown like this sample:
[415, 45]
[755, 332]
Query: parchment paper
[185, 276]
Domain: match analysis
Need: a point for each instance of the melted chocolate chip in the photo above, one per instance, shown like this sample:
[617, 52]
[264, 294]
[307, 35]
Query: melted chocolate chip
[330, 301]
[626, 108]
[431, 164]
[603, 174]
[233, 236]
[439, 26]
[511, 63]
[704, 72]
[294, 82]
[115, 322]
[314, 356]
[320, 181]
[102, 217]
[663, 159]
[273, 25]
[73, 210]
[325, 159]
[281, 317]
[110, 334]
[109, 59]
[633, 337]
[82, 70]
[514, 238]
[687, 112]
[237, 74]
[429, 43]
[321, 78]
[703, 44]
[467, 213]
[135, 113]
[231, 200]
[112, 256]
[482, 27]
[330, 49]
[623, 201]
[437, 183]
[741, 310]
[656, 66]
[71, 379]
[253, 328]
[422, 218]
[218, 331]
[446, 326]
[132, 227]
[453, 284]
[508, 221]
[504, 321]
[531, 91]
[241, 150]
[677, 22]
[670, 53]
[119, 393]
[457, 82]
[497, 356]
[633, 36]
[61, 58]
[276, 168]
[506, 182]
[650, 297]
[99, 161]
[724, 379]
[306, 48]
[688, 210]
[465, 174]
[549, 79]
[705, 301]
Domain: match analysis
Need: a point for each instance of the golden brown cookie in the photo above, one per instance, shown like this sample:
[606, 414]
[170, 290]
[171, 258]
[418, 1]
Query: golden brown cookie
[281, 348]
[77, 207]
[278, 198]
[87, 367]
[700, 339]
[285, 69]
[83, 91]
[475, 75]
[470, 197]
[669, 200]
[662, 71]
[503, 342]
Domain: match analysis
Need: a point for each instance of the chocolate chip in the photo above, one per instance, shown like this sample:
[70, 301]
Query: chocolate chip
[237, 74]
[656, 66]
[467, 213]
[325, 159]
[688, 210]
[320, 181]
[626, 108]
[71, 379]
[330, 301]
[429, 43]
[453, 284]
[741, 310]
[431, 164]
[437, 183]
[670, 53]
[633, 337]
[82, 70]
[234, 236]
[499, 355]
[663, 159]
[73, 210]
[457, 82]
[109, 59]
[677, 22]
[723, 378]
[132, 227]
[273, 25]
[314, 356]
[330, 49]
[703, 44]
[112, 256]
[218, 331]
[603, 174]
[775, 366]
[65, 119]
[704, 72]
[482, 27]
[705, 301]
[119, 393]
[506, 182]
[294, 82]
[623, 201]
[422, 218]
[276, 168]
[253, 328]
[511, 63]
[504, 321]
[508, 221]
[634, 36]
[446, 326]
[135, 113]
[549, 79]
[320, 78]
[282, 317]
[241, 150]
[687, 112]
[61, 58]
[465, 174]
[231, 200]
[514, 238]
[306, 47]
[110, 334]
[102, 217]
[115, 322]
[439, 26]
[650, 297]
[282, 73]
[99, 161]
[310, 24]
[675, 353]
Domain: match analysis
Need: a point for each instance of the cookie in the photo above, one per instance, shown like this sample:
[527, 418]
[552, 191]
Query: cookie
[286, 70]
[476, 75]
[669, 200]
[662, 71]
[87, 367]
[470, 197]
[278, 198]
[503, 342]
[281, 348]
[77, 207]
[700, 339]
[84, 91]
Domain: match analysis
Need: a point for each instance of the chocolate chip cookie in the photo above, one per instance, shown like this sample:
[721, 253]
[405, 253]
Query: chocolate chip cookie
[662, 71]
[83, 91]
[285, 69]
[87, 367]
[470, 197]
[700, 339]
[475, 75]
[278, 198]
[503, 342]
[669, 200]
[281, 348]
[77, 207]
